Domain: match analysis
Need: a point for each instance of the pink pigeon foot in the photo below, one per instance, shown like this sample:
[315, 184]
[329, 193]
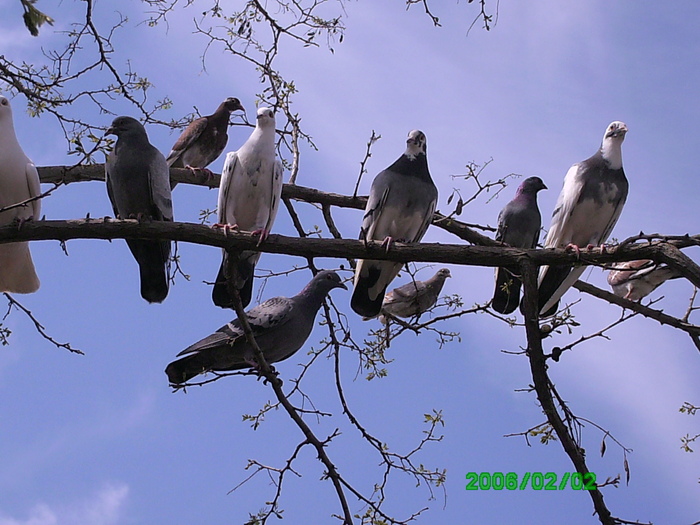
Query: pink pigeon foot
[573, 248]
[226, 227]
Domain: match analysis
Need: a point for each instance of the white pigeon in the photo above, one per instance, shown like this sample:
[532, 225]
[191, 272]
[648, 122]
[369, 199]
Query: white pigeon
[19, 181]
[588, 207]
[400, 206]
[249, 196]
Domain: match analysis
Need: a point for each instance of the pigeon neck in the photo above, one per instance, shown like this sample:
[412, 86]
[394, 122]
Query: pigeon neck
[417, 166]
[313, 294]
[611, 151]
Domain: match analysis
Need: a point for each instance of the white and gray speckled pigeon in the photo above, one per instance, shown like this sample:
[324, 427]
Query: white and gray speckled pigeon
[138, 185]
[519, 226]
[204, 139]
[414, 298]
[400, 207]
[635, 280]
[19, 181]
[280, 325]
[588, 207]
[249, 197]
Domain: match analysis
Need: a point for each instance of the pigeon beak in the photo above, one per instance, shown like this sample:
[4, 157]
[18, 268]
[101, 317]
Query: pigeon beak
[342, 285]
[110, 131]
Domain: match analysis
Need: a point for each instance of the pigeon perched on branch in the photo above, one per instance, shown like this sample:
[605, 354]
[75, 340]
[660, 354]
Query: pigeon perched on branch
[414, 298]
[588, 207]
[519, 226]
[138, 185]
[249, 197]
[19, 183]
[204, 139]
[400, 207]
[635, 280]
[280, 326]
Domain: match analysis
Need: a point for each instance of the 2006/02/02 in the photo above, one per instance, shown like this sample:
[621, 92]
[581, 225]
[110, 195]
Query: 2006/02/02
[536, 480]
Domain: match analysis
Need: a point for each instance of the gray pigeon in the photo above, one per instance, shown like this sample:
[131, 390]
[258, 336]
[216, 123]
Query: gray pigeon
[589, 205]
[204, 139]
[138, 185]
[519, 226]
[280, 325]
[19, 181]
[634, 280]
[400, 207]
[249, 197]
[414, 298]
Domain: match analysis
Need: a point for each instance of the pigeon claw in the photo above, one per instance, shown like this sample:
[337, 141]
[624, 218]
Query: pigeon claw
[386, 243]
[573, 248]
[263, 233]
[201, 172]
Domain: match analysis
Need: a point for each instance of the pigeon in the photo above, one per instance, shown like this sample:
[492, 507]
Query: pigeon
[519, 226]
[19, 181]
[280, 325]
[634, 280]
[249, 196]
[400, 207]
[203, 140]
[588, 207]
[138, 187]
[414, 298]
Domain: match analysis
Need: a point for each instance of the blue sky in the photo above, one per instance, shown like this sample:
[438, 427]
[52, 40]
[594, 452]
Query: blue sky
[101, 439]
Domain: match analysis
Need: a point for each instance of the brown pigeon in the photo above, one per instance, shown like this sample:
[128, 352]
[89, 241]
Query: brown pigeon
[635, 280]
[203, 140]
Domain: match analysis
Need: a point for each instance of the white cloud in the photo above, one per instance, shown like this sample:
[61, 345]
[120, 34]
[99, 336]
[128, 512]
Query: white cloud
[105, 507]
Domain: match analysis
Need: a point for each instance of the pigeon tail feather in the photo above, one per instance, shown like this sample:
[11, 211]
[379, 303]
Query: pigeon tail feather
[18, 274]
[361, 302]
[152, 258]
[506, 296]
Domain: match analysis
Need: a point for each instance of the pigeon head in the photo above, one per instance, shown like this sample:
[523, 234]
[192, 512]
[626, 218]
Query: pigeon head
[611, 149]
[443, 273]
[323, 282]
[232, 104]
[5, 108]
[616, 129]
[125, 126]
[531, 185]
[266, 118]
[416, 144]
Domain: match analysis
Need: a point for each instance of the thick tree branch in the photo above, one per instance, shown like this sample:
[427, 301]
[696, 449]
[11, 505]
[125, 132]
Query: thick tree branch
[538, 368]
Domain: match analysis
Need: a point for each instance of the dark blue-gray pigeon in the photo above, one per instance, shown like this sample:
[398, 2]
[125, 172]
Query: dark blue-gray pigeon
[204, 139]
[400, 207]
[588, 207]
[138, 185]
[634, 280]
[414, 298]
[519, 226]
[19, 182]
[249, 197]
[280, 326]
